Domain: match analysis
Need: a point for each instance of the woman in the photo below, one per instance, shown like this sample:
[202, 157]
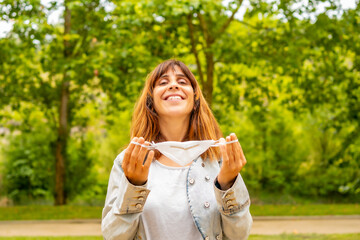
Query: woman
[164, 189]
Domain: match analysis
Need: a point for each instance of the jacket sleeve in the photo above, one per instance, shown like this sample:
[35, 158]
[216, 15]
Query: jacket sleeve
[123, 205]
[234, 207]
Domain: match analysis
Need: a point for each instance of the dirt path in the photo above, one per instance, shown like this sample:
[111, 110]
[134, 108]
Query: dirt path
[320, 225]
[262, 225]
[51, 228]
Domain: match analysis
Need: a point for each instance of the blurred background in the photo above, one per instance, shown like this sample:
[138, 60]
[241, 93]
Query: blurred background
[284, 75]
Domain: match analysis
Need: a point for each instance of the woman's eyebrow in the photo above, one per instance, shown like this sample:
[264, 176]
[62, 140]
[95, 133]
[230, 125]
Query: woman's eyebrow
[177, 75]
[180, 75]
[164, 76]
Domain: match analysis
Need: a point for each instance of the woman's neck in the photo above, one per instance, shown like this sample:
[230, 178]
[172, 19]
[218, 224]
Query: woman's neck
[174, 129]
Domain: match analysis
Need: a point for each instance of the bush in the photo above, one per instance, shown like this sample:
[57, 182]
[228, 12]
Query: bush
[29, 166]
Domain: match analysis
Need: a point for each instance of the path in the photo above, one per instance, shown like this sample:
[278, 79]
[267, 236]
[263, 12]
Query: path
[262, 225]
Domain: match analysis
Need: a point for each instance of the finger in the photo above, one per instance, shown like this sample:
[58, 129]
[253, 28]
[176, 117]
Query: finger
[229, 150]
[149, 160]
[236, 147]
[128, 153]
[134, 155]
[223, 151]
[138, 161]
[142, 154]
[241, 153]
[236, 150]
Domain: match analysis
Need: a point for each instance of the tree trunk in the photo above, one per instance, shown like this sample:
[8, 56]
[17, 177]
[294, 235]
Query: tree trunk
[209, 84]
[210, 38]
[60, 196]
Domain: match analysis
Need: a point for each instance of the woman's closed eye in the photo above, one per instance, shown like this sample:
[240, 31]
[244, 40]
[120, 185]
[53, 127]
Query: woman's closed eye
[163, 82]
[182, 81]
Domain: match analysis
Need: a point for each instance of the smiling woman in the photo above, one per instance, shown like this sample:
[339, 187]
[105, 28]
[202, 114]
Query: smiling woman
[151, 194]
[173, 97]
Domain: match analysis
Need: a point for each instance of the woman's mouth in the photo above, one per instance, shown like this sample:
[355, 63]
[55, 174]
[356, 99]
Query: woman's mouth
[174, 98]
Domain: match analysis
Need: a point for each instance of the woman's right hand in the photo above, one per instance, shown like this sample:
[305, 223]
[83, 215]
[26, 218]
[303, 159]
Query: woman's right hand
[133, 164]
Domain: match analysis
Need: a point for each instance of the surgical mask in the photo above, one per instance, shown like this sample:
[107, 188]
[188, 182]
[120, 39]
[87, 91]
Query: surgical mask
[184, 152]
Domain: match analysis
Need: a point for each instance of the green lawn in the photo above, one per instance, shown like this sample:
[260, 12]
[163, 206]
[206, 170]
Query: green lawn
[252, 237]
[49, 212]
[305, 210]
[87, 212]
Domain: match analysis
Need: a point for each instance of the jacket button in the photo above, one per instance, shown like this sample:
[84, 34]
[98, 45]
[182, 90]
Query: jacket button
[230, 207]
[138, 206]
[143, 192]
[228, 195]
[141, 199]
[218, 237]
[207, 178]
[203, 164]
[191, 181]
[207, 204]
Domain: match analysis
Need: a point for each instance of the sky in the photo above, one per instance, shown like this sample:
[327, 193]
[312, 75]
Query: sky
[54, 17]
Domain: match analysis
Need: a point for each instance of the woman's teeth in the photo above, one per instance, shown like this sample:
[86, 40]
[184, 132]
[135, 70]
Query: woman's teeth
[174, 98]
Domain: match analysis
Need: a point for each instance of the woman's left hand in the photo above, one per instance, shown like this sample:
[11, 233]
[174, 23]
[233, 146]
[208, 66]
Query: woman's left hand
[233, 160]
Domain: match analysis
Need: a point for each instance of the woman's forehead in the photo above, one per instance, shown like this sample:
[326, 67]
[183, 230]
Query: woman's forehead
[170, 69]
[176, 70]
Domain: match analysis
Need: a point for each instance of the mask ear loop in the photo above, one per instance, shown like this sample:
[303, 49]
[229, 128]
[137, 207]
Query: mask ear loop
[218, 143]
[150, 147]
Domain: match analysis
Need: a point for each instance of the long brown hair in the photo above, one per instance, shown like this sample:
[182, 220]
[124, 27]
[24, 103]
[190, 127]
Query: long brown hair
[202, 124]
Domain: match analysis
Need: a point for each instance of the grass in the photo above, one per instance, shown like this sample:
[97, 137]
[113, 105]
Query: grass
[305, 210]
[87, 212]
[49, 212]
[252, 237]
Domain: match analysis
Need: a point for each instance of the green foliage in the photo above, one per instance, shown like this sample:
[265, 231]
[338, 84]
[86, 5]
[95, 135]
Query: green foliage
[286, 81]
[29, 160]
[79, 174]
[28, 168]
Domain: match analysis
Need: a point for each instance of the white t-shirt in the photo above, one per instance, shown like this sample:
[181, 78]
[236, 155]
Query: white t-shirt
[166, 212]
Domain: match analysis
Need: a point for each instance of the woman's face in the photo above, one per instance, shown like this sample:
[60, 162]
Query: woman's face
[173, 94]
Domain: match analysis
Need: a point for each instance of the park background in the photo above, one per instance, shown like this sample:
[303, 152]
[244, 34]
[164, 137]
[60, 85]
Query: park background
[284, 75]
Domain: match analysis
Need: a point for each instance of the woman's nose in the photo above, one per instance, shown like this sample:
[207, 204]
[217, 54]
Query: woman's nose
[174, 85]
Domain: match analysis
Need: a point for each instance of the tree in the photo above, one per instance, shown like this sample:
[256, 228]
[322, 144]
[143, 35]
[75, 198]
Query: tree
[49, 66]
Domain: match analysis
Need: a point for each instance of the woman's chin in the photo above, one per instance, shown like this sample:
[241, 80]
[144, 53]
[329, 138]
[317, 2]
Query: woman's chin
[175, 114]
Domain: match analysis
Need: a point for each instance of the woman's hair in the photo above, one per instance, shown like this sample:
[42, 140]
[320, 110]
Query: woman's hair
[202, 124]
